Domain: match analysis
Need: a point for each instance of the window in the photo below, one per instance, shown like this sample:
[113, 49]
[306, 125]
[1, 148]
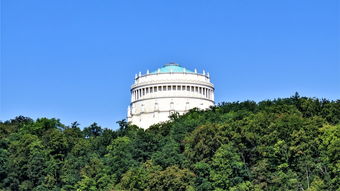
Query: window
[169, 88]
[147, 90]
[156, 107]
[164, 88]
[187, 106]
[159, 88]
[178, 87]
[151, 89]
[173, 87]
[196, 88]
[155, 88]
[188, 88]
[192, 88]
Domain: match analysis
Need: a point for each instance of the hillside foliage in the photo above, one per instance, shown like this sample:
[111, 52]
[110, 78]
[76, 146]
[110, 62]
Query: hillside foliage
[283, 144]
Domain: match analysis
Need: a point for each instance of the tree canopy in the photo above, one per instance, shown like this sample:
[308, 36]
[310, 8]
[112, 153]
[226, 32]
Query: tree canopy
[282, 144]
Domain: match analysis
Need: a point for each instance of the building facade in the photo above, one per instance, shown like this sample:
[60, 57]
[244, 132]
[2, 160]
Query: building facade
[172, 88]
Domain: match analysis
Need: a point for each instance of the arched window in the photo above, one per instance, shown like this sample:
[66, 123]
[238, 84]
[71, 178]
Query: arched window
[133, 110]
[187, 106]
[142, 108]
[156, 108]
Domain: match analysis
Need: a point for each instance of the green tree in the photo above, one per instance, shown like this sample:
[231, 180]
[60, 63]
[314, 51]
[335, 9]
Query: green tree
[169, 155]
[202, 171]
[3, 165]
[281, 144]
[94, 177]
[138, 178]
[171, 179]
[92, 131]
[228, 169]
[330, 155]
[77, 158]
[119, 158]
[27, 164]
[202, 143]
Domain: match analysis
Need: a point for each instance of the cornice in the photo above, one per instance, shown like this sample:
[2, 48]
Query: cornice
[172, 82]
[167, 97]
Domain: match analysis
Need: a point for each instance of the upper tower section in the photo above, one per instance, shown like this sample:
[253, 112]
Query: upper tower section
[171, 72]
[172, 80]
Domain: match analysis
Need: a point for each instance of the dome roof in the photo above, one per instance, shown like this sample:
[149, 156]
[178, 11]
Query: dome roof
[172, 67]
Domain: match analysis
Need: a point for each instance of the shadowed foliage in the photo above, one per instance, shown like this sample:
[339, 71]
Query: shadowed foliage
[283, 144]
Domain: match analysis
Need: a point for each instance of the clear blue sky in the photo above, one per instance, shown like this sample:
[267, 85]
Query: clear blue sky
[75, 60]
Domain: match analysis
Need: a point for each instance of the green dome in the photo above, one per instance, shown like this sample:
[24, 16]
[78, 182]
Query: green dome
[172, 67]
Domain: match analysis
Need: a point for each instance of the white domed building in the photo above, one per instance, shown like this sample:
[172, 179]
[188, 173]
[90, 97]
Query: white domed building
[172, 88]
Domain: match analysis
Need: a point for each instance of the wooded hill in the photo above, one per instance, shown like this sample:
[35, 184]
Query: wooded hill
[282, 144]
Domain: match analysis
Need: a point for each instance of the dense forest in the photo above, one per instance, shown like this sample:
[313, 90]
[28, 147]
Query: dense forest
[282, 144]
